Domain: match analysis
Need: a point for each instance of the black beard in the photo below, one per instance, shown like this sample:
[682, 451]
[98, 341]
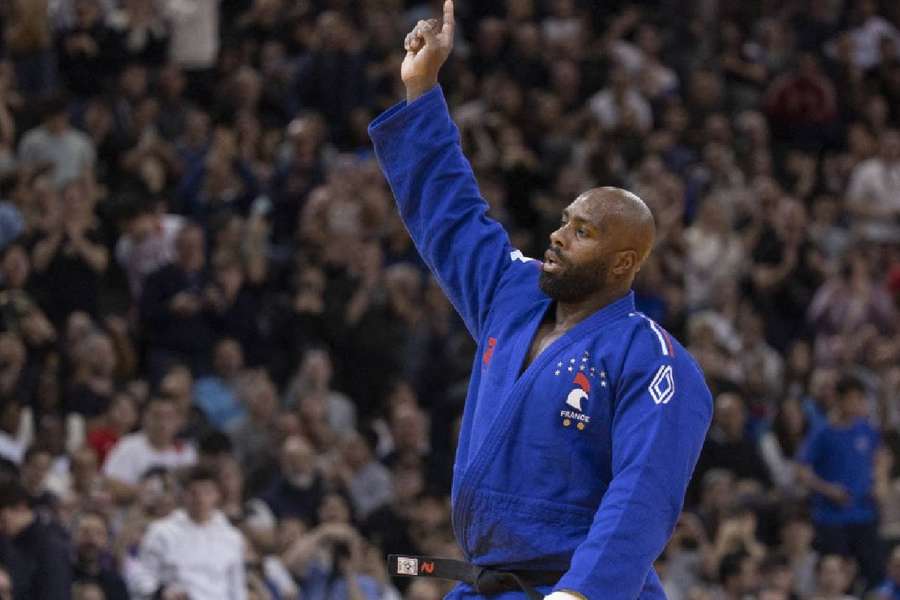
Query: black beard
[573, 284]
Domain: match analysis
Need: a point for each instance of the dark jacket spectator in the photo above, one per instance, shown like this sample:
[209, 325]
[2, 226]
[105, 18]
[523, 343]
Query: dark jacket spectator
[36, 554]
[175, 310]
[93, 561]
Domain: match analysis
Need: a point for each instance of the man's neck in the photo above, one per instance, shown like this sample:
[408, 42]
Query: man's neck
[200, 519]
[159, 444]
[569, 314]
[843, 420]
[796, 552]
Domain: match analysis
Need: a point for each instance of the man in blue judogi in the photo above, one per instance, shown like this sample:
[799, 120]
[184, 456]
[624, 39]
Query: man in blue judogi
[584, 418]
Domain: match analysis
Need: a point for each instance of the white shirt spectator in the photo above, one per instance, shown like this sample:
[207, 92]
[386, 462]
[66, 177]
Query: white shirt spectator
[875, 183]
[609, 112]
[711, 260]
[133, 456]
[195, 33]
[71, 152]
[371, 488]
[205, 560]
[140, 258]
[11, 449]
[655, 78]
[867, 40]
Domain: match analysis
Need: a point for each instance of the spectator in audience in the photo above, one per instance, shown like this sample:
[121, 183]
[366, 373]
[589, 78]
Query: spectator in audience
[36, 554]
[154, 445]
[143, 35]
[87, 50]
[796, 545]
[147, 244]
[251, 433]
[56, 144]
[331, 78]
[119, 419]
[849, 301]
[174, 310]
[730, 445]
[234, 302]
[71, 255]
[314, 377]
[36, 464]
[835, 575]
[216, 394]
[872, 202]
[328, 563]
[366, 481]
[91, 390]
[178, 384]
[839, 463]
[93, 562]
[780, 447]
[299, 489]
[194, 551]
[739, 576]
[27, 37]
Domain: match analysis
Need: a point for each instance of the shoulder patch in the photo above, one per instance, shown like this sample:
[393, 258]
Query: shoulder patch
[662, 388]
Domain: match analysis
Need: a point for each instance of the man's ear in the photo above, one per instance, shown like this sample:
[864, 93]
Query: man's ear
[625, 263]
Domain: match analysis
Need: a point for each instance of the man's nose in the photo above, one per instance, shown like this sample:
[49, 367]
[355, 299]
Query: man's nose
[557, 238]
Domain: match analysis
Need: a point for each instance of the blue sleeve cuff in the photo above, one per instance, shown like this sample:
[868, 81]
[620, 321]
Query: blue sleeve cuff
[401, 113]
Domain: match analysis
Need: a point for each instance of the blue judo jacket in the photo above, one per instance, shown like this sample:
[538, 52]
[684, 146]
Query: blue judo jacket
[580, 462]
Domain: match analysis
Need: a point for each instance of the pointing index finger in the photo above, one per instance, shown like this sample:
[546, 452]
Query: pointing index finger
[447, 29]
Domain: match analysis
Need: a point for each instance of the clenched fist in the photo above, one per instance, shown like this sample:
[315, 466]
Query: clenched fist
[427, 48]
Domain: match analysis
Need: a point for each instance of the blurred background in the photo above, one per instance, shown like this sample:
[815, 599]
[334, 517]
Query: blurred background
[225, 373]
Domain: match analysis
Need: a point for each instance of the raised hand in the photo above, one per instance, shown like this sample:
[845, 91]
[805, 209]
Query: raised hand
[427, 48]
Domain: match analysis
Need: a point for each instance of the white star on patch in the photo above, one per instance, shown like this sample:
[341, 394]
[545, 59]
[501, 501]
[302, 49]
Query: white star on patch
[557, 372]
[570, 369]
[571, 360]
[602, 384]
[581, 368]
[559, 364]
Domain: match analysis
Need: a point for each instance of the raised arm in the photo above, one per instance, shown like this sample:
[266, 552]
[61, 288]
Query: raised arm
[418, 148]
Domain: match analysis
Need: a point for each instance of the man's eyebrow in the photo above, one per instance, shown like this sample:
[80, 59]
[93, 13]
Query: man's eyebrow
[584, 220]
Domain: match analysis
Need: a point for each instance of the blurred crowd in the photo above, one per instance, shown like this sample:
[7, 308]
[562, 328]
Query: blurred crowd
[225, 373]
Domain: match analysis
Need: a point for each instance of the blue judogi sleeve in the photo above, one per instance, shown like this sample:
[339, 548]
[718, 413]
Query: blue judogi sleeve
[418, 148]
[660, 419]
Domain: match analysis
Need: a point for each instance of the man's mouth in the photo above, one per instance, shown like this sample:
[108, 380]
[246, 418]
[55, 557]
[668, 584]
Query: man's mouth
[551, 263]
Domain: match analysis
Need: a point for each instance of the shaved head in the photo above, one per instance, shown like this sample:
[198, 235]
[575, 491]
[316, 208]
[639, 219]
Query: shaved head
[625, 216]
[606, 235]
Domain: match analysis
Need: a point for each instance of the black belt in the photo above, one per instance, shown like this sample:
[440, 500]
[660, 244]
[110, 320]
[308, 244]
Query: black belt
[482, 579]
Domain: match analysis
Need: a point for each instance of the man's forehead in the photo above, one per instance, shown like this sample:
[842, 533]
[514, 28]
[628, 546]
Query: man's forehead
[589, 207]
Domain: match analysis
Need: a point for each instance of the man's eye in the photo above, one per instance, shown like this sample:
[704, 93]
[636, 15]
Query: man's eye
[581, 232]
